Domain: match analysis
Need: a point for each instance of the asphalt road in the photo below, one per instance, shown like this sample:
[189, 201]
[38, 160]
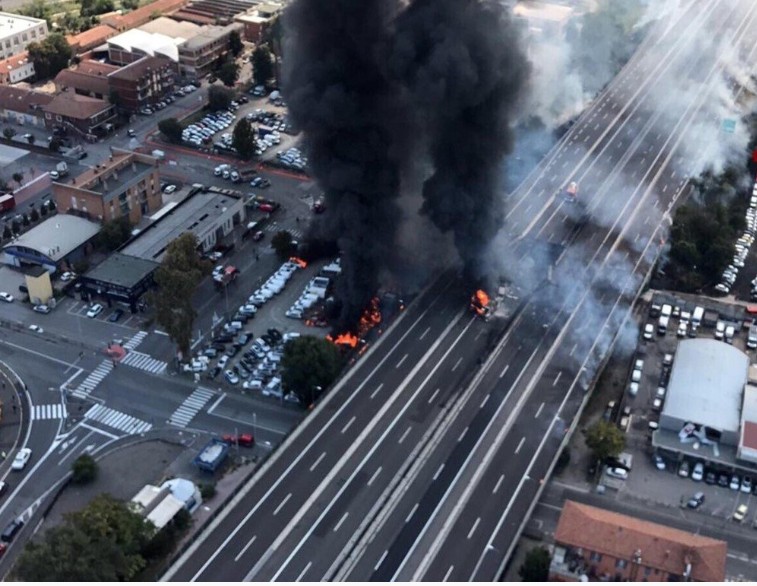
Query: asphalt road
[407, 471]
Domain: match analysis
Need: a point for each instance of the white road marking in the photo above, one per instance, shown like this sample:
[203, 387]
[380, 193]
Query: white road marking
[462, 435]
[496, 486]
[436, 392]
[318, 461]
[401, 361]
[404, 435]
[459, 360]
[446, 576]
[338, 525]
[438, 472]
[473, 529]
[381, 560]
[504, 370]
[557, 378]
[423, 335]
[538, 411]
[520, 444]
[375, 474]
[484, 401]
[245, 548]
[286, 498]
[350, 422]
[412, 512]
[378, 388]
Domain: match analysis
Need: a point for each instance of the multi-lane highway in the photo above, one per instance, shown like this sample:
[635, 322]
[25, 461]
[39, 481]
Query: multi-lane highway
[424, 462]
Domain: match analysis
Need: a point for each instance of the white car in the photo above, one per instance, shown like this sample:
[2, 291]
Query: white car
[7, 297]
[95, 310]
[36, 328]
[648, 331]
[67, 276]
[617, 472]
[41, 308]
[222, 361]
[22, 459]
[169, 189]
[231, 377]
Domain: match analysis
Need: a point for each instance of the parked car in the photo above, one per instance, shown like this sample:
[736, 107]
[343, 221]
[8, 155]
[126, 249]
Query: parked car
[659, 462]
[697, 474]
[169, 189]
[684, 469]
[617, 472]
[22, 459]
[95, 310]
[116, 315]
[696, 501]
[42, 308]
[7, 297]
[231, 377]
[740, 513]
[735, 482]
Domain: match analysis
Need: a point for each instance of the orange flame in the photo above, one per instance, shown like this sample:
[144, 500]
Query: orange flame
[299, 262]
[482, 298]
[345, 339]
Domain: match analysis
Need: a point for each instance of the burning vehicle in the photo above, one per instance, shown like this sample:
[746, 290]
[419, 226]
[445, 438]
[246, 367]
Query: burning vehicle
[481, 304]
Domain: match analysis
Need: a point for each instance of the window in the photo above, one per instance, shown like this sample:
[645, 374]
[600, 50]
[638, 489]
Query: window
[25, 37]
[595, 557]
[34, 33]
[647, 571]
[620, 564]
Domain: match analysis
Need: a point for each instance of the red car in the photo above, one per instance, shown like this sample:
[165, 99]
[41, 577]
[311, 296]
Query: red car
[265, 207]
[244, 439]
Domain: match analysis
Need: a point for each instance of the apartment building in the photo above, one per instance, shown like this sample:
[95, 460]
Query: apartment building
[16, 32]
[143, 82]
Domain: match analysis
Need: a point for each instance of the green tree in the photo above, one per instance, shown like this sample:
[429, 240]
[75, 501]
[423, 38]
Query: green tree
[207, 490]
[34, 215]
[283, 244]
[309, 366]
[262, 65]
[55, 144]
[9, 133]
[50, 56]
[15, 226]
[37, 9]
[171, 129]
[104, 542]
[130, 4]
[535, 567]
[243, 139]
[605, 440]
[228, 73]
[219, 98]
[7, 234]
[114, 233]
[177, 279]
[235, 43]
[84, 469]
[18, 178]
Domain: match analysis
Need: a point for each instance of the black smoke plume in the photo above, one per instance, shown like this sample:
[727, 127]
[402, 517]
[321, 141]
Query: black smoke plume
[375, 84]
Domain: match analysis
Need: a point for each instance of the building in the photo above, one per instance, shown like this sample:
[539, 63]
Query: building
[54, 244]
[595, 544]
[258, 21]
[120, 278]
[142, 15]
[135, 44]
[90, 38]
[87, 116]
[126, 185]
[38, 284]
[16, 32]
[543, 19]
[90, 79]
[709, 411]
[214, 11]
[198, 55]
[22, 106]
[16, 68]
[143, 83]
[208, 214]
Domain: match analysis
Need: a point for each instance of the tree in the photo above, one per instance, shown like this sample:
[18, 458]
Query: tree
[43, 211]
[34, 215]
[228, 73]
[50, 56]
[31, 139]
[219, 98]
[84, 469]
[95, 7]
[114, 233]
[605, 440]
[38, 9]
[129, 4]
[207, 490]
[55, 144]
[51, 205]
[171, 129]
[9, 133]
[18, 178]
[7, 234]
[283, 244]
[535, 567]
[235, 43]
[25, 219]
[15, 226]
[243, 139]
[104, 542]
[177, 279]
[309, 366]
[262, 65]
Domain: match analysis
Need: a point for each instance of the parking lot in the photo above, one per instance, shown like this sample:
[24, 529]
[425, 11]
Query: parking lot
[723, 490]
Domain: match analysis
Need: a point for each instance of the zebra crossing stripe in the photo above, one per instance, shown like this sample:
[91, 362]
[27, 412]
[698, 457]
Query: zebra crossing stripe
[93, 379]
[144, 362]
[135, 340]
[190, 407]
[56, 411]
[117, 420]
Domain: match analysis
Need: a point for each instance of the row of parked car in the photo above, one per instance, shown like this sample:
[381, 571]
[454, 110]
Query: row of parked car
[180, 93]
[271, 120]
[202, 132]
[292, 158]
[741, 251]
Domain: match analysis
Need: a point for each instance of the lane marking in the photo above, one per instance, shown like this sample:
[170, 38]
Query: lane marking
[378, 388]
[286, 498]
[375, 474]
[486, 399]
[473, 529]
[499, 482]
[412, 512]
[404, 435]
[423, 335]
[318, 461]
[462, 435]
[504, 370]
[338, 525]
[438, 472]
[245, 548]
[303, 572]
[436, 392]
[381, 560]
[459, 360]
[520, 444]
[350, 422]
[446, 576]
[401, 361]
[538, 411]
[557, 378]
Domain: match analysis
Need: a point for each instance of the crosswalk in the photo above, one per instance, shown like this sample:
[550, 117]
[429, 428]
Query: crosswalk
[190, 407]
[144, 362]
[295, 232]
[117, 420]
[135, 340]
[56, 411]
[88, 384]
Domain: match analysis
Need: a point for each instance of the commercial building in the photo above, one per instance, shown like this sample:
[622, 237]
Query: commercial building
[258, 21]
[214, 11]
[135, 44]
[709, 411]
[595, 544]
[38, 284]
[22, 106]
[90, 79]
[90, 38]
[142, 15]
[16, 68]
[120, 278]
[87, 116]
[198, 55]
[143, 83]
[125, 185]
[16, 32]
[54, 244]
[159, 505]
[208, 214]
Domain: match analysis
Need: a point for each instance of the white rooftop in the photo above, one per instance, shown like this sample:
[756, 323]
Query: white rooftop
[165, 511]
[11, 24]
[152, 44]
[707, 383]
[57, 236]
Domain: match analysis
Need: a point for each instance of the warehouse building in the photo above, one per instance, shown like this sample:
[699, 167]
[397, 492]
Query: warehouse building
[120, 278]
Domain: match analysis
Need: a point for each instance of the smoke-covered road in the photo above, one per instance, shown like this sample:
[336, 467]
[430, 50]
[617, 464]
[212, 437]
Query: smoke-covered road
[406, 471]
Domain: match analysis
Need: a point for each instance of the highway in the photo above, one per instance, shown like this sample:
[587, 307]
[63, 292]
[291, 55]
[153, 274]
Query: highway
[421, 465]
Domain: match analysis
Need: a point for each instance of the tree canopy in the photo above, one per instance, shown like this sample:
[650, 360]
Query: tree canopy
[114, 233]
[605, 440]
[171, 129]
[243, 139]
[535, 567]
[309, 366]
[219, 98]
[50, 56]
[104, 542]
[235, 43]
[228, 73]
[84, 469]
[262, 65]
[177, 279]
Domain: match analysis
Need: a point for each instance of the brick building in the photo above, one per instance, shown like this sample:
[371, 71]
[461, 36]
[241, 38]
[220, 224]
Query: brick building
[23, 106]
[126, 185]
[595, 544]
[144, 82]
[140, 16]
[91, 38]
[16, 68]
[258, 21]
[82, 114]
[198, 55]
[90, 78]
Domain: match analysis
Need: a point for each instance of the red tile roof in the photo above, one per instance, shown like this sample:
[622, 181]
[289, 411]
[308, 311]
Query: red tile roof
[91, 38]
[75, 106]
[141, 15]
[11, 63]
[661, 547]
[78, 80]
[136, 70]
[18, 99]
